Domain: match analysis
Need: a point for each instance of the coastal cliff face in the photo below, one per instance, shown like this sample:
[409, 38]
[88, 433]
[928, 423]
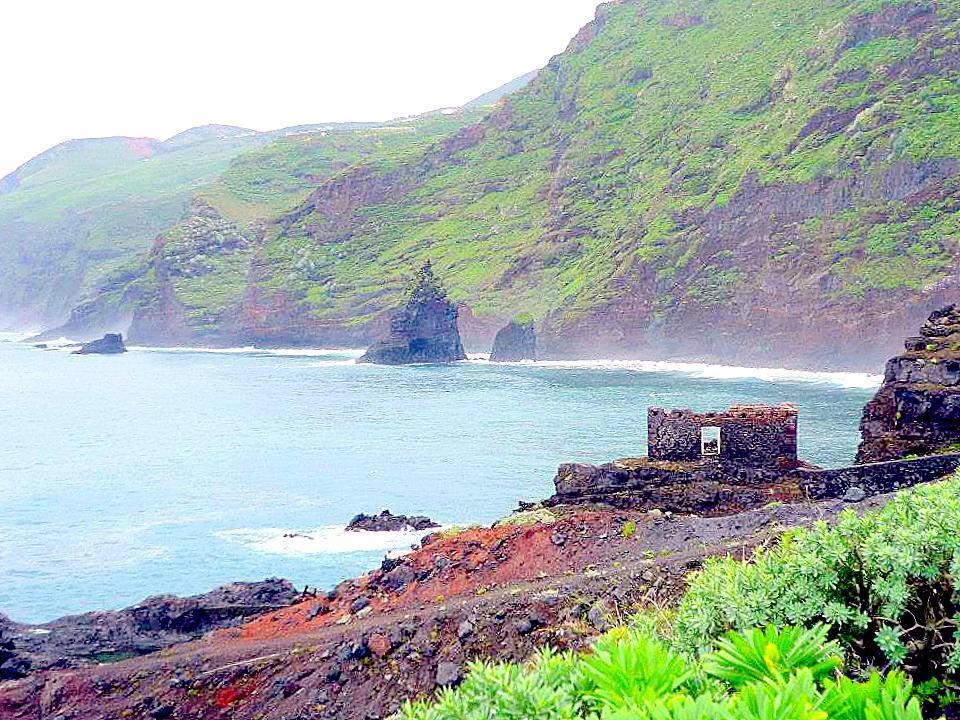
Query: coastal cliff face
[917, 410]
[423, 331]
[775, 185]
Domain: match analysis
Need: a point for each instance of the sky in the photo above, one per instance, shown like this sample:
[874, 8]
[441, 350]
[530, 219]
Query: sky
[151, 69]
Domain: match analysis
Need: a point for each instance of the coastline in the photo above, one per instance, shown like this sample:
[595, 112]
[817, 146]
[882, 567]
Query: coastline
[685, 367]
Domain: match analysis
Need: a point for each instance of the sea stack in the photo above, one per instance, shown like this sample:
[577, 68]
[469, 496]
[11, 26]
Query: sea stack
[424, 330]
[516, 341]
[917, 409]
[109, 344]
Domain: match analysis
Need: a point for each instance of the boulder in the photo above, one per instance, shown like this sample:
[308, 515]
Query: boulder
[516, 341]
[388, 522]
[423, 331]
[109, 344]
[917, 409]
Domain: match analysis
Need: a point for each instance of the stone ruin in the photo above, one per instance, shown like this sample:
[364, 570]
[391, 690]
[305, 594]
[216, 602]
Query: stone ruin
[715, 463]
[750, 435]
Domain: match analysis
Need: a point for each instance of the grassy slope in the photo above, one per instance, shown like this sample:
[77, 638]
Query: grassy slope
[81, 209]
[584, 181]
[209, 277]
[781, 159]
[77, 218]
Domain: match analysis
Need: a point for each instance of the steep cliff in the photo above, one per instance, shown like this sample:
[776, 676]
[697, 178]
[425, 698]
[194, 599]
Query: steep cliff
[773, 183]
[917, 410]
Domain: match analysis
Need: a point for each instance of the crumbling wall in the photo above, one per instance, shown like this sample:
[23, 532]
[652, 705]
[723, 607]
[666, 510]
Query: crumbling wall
[875, 478]
[755, 435]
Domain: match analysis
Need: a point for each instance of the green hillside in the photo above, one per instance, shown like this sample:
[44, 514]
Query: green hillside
[781, 178]
[613, 173]
[81, 215]
[203, 256]
[71, 214]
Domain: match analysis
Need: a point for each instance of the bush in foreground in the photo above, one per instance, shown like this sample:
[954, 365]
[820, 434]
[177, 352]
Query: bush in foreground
[883, 582]
[629, 675]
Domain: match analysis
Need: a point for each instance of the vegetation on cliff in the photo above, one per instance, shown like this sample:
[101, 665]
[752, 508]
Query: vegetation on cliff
[876, 594]
[749, 169]
[77, 219]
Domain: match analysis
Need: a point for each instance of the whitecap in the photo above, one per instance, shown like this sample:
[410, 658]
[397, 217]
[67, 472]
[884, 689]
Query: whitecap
[852, 380]
[64, 344]
[330, 540]
[17, 335]
[348, 353]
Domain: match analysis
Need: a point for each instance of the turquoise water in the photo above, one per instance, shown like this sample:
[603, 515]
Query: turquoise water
[177, 471]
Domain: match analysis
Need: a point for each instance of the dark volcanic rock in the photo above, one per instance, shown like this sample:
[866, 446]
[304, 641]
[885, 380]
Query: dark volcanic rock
[109, 344]
[156, 623]
[424, 331]
[388, 522]
[516, 341]
[917, 409]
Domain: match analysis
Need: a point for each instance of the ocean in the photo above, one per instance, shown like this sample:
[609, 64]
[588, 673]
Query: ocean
[173, 471]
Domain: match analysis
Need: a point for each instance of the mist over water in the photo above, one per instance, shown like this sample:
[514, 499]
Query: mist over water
[174, 471]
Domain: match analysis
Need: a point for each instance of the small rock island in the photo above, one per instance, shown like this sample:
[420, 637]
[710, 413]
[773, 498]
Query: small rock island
[388, 522]
[515, 341]
[424, 330]
[109, 344]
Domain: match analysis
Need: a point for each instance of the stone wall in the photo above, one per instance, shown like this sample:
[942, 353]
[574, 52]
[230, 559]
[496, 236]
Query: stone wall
[754, 435]
[875, 478]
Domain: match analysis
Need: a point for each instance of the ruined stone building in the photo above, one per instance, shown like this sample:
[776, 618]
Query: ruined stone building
[751, 435]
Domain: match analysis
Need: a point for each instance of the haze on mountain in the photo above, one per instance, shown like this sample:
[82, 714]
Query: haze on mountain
[773, 183]
[106, 67]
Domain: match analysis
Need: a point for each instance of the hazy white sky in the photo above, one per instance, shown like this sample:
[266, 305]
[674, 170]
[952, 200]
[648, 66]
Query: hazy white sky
[95, 68]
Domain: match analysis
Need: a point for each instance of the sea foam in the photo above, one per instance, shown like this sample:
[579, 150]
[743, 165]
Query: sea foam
[705, 370]
[346, 353]
[330, 540]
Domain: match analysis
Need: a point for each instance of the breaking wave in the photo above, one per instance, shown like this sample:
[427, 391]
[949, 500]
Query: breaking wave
[345, 353]
[330, 540]
[851, 380]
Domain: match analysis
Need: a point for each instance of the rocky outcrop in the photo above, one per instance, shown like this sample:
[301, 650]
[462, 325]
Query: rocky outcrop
[516, 341]
[714, 488]
[388, 522]
[109, 344]
[917, 409]
[154, 624]
[424, 331]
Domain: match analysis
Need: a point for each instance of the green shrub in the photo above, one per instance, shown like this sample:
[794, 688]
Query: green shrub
[882, 582]
[633, 676]
[631, 671]
[756, 654]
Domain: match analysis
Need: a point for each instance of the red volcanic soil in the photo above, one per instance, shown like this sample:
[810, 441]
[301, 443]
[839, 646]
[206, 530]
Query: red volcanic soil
[398, 632]
[142, 147]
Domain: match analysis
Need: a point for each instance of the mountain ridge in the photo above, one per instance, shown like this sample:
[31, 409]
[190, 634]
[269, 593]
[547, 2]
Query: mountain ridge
[701, 180]
[81, 211]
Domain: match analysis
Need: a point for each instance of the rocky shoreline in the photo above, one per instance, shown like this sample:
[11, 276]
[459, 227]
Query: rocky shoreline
[612, 539]
[152, 625]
